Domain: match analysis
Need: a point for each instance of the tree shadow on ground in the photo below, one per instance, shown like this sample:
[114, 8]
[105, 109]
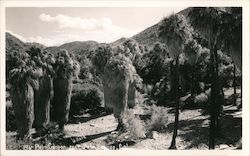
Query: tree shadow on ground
[89, 115]
[196, 132]
[231, 128]
[72, 141]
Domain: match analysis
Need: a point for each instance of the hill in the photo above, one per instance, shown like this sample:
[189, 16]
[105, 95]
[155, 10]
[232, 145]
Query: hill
[75, 47]
[149, 36]
[118, 42]
[15, 44]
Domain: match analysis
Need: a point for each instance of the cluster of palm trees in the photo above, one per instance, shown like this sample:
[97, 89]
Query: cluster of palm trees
[221, 27]
[39, 80]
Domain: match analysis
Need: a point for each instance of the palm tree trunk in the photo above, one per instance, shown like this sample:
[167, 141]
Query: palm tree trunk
[173, 143]
[218, 93]
[215, 106]
[212, 103]
[234, 84]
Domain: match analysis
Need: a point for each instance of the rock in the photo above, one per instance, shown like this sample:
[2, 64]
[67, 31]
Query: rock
[224, 146]
[155, 135]
[92, 125]
[104, 148]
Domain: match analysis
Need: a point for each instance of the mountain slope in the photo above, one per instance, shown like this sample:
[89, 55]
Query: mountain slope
[74, 47]
[149, 36]
[15, 44]
[118, 42]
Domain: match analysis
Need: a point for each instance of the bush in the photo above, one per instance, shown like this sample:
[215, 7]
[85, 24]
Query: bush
[159, 119]
[202, 100]
[135, 126]
[85, 96]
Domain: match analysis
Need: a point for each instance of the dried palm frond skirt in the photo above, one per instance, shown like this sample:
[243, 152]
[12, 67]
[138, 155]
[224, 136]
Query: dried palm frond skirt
[42, 102]
[61, 102]
[23, 103]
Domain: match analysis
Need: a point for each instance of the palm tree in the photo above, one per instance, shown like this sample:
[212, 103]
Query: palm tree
[24, 81]
[221, 26]
[174, 32]
[66, 68]
[206, 20]
[191, 50]
[231, 33]
[118, 75]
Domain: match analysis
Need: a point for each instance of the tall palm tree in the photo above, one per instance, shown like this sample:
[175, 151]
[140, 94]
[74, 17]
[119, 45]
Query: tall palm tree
[174, 32]
[231, 33]
[24, 81]
[118, 74]
[206, 20]
[221, 26]
[65, 69]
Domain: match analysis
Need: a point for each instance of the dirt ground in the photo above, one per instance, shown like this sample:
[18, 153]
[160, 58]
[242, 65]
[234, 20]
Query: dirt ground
[97, 131]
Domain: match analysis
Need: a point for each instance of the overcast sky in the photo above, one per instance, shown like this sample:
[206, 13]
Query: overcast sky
[55, 26]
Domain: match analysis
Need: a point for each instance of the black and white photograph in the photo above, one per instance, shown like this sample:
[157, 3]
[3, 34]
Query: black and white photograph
[125, 78]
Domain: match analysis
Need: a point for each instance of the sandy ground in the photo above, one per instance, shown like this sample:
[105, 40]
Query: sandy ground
[95, 132]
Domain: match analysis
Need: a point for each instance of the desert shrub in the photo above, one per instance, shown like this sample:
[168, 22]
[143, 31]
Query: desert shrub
[201, 99]
[12, 143]
[147, 88]
[85, 96]
[159, 119]
[140, 99]
[86, 68]
[161, 93]
[135, 126]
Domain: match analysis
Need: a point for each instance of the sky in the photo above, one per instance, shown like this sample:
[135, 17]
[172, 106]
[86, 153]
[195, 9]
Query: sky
[53, 26]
